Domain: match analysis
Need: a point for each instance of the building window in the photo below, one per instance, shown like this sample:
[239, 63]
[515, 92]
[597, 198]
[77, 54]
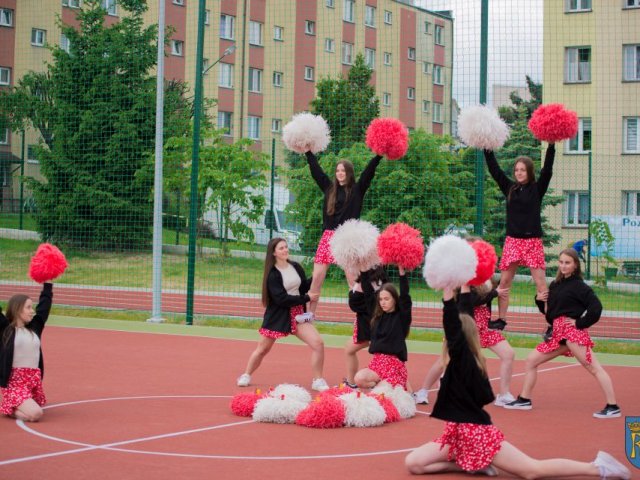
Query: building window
[633, 3]
[255, 80]
[437, 112]
[330, 3]
[427, 68]
[370, 16]
[411, 93]
[577, 5]
[425, 106]
[278, 33]
[38, 37]
[32, 155]
[277, 79]
[276, 125]
[411, 53]
[581, 143]
[632, 62]
[427, 28]
[6, 17]
[347, 53]
[65, 44]
[178, 2]
[631, 203]
[207, 17]
[5, 76]
[578, 64]
[631, 139]
[386, 99]
[110, 6]
[576, 208]
[308, 73]
[438, 35]
[71, 3]
[309, 27]
[4, 136]
[329, 45]
[388, 17]
[177, 48]
[205, 66]
[349, 10]
[387, 58]
[225, 75]
[438, 78]
[225, 122]
[227, 26]
[370, 58]
[254, 125]
[255, 33]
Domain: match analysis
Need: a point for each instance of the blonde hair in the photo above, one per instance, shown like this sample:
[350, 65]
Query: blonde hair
[470, 332]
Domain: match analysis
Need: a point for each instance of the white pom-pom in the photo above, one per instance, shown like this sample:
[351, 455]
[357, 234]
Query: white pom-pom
[383, 388]
[306, 132]
[403, 401]
[354, 246]
[290, 391]
[481, 127]
[277, 410]
[362, 410]
[449, 263]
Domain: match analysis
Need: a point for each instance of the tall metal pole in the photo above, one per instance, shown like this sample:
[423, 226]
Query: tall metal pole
[21, 206]
[588, 273]
[484, 38]
[273, 187]
[193, 208]
[156, 311]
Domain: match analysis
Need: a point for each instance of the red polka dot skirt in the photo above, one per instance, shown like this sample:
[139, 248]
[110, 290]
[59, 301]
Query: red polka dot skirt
[323, 253]
[293, 311]
[389, 368]
[526, 252]
[471, 446]
[565, 331]
[488, 338]
[24, 383]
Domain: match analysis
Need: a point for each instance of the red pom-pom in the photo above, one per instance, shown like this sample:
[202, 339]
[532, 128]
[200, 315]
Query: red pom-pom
[552, 123]
[47, 264]
[487, 259]
[326, 411]
[389, 137]
[243, 404]
[337, 391]
[402, 245]
[392, 414]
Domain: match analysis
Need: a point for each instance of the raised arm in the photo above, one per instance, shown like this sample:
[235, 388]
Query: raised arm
[496, 172]
[368, 173]
[547, 170]
[43, 308]
[321, 178]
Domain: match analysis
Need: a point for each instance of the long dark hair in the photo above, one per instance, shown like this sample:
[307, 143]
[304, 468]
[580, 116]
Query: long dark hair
[269, 262]
[14, 306]
[348, 184]
[378, 312]
[531, 175]
[570, 252]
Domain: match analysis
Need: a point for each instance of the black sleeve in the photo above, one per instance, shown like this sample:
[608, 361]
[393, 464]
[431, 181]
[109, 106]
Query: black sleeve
[367, 174]
[452, 327]
[593, 310]
[279, 295]
[466, 302]
[540, 304]
[496, 172]
[43, 309]
[547, 170]
[405, 298]
[317, 173]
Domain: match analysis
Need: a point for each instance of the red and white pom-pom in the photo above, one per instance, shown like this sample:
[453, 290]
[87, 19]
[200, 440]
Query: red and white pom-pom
[403, 400]
[47, 264]
[388, 137]
[401, 245]
[390, 410]
[337, 391]
[291, 391]
[306, 132]
[277, 409]
[354, 246]
[326, 411]
[552, 123]
[449, 263]
[243, 404]
[362, 410]
[487, 260]
[480, 126]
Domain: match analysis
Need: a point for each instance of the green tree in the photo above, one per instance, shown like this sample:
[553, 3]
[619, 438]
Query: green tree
[510, 113]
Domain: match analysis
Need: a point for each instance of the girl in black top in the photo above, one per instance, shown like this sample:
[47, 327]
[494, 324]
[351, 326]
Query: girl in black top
[470, 442]
[523, 244]
[390, 325]
[570, 307]
[284, 294]
[21, 362]
[343, 198]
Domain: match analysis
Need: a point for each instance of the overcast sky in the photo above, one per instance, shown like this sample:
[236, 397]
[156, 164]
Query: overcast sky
[515, 44]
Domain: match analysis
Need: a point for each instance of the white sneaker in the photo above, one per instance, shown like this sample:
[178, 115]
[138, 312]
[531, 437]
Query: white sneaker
[244, 380]
[305, 317]
[610, 467]
[421, 397]
[502, 400]
[319, 385]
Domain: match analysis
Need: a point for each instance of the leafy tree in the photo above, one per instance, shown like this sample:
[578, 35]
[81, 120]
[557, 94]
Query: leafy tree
[510, 113]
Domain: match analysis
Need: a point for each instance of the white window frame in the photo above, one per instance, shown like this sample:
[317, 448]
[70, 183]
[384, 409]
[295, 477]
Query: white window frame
[278, 33]
[207, 17]
[31, 155]
[4, 136]
[632, 4]
[38, 37]
[631, 203]
[583, 123]
[65, 43]
[370, 58]
[255, 33]
[349, 11]
[425, 106]
[309, 73]
[388, 17]
[277, 79]
[411, 93]
[438, 35]
[437, 75]
[254, 125]
[6, 17]
[577, 6]
[111, 6]
[276, 125]
[427, 68]
[427, 28]
[370, 16]
[436, 115]
[180, 3]
[226, 124]
[576, 71]
[347, 53]
[627, 123]
[386, 99]
[330, 3]
[386, 58]
[227, 26]
[329, 45]
[5, 76]
[411, 53]
[631, 62]
[255, 80]
[225, 75]
[72, 3]
[177, 48]
[309, 27]
[571, 211]
[205, 66]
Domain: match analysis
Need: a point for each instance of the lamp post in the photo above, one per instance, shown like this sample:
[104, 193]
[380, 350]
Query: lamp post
[228, 51]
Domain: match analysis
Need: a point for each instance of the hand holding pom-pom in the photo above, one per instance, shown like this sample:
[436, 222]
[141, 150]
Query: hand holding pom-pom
[306, 133]
[449, 263]
[487, 259]
[389, 137]
[47, 264]
[401, 245]
[552, 123]
[481, 127]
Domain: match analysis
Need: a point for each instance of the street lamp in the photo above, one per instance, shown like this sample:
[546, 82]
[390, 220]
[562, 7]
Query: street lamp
[228, 51]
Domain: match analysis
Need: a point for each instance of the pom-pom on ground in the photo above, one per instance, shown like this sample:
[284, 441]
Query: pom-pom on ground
[487, 260]
[403, 400]
[337, 391]
[47, 264]
[553, 123]
[326, 411]
[481, 127]
[277, 409]
[388, 137]
[449, 263]
[291, 391]
[306, 132]
[354, 246]
[362, 410]
[402, 245]
[243, 404]
[390, 410]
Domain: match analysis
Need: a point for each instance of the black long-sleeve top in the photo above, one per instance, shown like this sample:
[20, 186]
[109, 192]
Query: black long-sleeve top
[572, 298]
[389, 334]
[363, 305]
[524, 201]
[468, 301]
[464, 388]
[345, 209]
[8, 333]
[277, 316]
